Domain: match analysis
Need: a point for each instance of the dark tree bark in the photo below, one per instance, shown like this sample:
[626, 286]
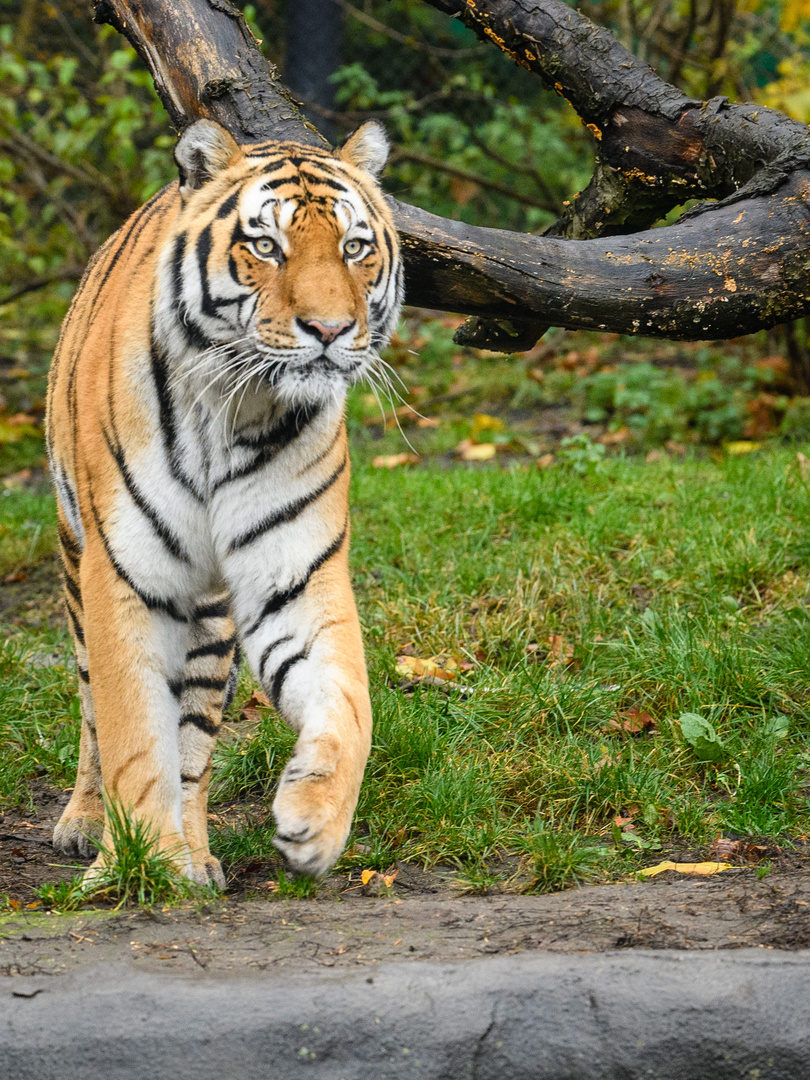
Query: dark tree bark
[742, 265]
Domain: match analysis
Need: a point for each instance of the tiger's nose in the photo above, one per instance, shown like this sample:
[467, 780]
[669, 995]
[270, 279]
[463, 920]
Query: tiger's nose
[325, 332]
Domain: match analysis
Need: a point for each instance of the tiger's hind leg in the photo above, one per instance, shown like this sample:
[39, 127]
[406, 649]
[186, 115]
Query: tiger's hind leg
[81, 825]
[207, 686]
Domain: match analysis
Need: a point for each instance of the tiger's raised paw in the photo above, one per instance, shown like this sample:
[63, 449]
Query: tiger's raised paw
[313, 809]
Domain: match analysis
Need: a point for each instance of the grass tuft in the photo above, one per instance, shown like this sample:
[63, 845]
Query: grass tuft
[558, 858]
[133, 871]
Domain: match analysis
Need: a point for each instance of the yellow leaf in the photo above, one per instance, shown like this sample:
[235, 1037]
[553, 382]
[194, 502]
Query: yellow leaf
[735, 448]
[702, 869]
[367, 875]
[470, 451]
[484, 422]
[415, 667]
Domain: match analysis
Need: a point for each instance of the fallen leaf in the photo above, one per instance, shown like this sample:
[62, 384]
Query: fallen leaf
[675, 447]
[374, 883]
[392, 461]
[484, 422]
[725, 848]
[427, 422]
[741, 447]
[470, 451]
[616, 438]
[560, 653]
[545, 460]
[804, 465]
[632, 721]
[251, 709]
[702, 737]
[701, 869]
[11, 579]
[413, 667]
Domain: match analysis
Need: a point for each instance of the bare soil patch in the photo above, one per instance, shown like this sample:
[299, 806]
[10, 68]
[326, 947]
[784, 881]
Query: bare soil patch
[424, 918]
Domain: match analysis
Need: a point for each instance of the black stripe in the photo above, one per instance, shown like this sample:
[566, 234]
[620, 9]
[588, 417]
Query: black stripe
[279, 600]
[185, 779]
[136, 225]
[185, 322]
[199, 682]
[176, 687]
[84, 674]
[280, 181]
[279, 677]
[68, 542]
[160, 378]
[213, 648]
[270, 445]
[153, 603]
[270, 648]
[324, 453]
[218, 609]
[286, 514]
[327, 182]
[77, 626]
[73, 588]
[200, 721]
[161, 529]
[210, 306]
[229, 205]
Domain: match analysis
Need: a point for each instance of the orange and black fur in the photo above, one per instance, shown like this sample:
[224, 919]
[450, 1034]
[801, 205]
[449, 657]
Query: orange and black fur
[198, 447]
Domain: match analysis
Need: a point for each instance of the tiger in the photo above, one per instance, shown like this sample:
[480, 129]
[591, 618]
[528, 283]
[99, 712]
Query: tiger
[197, 442]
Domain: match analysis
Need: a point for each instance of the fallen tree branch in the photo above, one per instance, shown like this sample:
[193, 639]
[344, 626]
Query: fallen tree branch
[728, 271]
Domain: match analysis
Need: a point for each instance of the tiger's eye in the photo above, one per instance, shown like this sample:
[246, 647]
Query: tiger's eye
[353, 247]
[264, 246]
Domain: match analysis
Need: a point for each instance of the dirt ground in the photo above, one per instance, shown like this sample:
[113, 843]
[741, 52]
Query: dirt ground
[424, 918]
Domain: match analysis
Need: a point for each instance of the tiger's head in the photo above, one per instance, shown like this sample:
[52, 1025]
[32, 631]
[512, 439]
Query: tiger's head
[283, 270]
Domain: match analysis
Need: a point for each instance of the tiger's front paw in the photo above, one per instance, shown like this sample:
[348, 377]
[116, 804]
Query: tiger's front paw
[79, 835]
[313, 808]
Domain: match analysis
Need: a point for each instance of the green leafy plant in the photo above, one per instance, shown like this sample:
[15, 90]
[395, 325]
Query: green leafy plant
[580, 454]
[702, 737]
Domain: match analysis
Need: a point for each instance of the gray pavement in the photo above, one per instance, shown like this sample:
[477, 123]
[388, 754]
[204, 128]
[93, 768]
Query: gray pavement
[741, 1015]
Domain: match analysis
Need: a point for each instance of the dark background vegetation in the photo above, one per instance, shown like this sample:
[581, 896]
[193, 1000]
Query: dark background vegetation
[83, 141]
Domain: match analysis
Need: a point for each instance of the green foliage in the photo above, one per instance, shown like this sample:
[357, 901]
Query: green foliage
[83, 147]
[39, 716]
[558, 858]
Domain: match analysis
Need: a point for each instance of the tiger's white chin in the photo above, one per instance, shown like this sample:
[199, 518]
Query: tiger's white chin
[313, 385]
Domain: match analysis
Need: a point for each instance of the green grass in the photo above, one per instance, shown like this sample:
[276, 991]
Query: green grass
[134, 872]
[680, 585]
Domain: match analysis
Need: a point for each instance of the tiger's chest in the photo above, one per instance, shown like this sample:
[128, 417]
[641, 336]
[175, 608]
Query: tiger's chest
[199, 503]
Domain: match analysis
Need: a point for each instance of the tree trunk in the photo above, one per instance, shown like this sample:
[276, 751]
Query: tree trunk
[732, 269]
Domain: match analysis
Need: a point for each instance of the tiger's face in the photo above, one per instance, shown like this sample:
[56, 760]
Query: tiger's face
[283, 271]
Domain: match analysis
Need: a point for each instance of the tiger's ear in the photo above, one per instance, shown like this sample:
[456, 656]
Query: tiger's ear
[203, 150]
[367, 148]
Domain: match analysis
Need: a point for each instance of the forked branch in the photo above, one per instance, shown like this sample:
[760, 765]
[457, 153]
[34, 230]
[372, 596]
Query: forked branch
[728, 270]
